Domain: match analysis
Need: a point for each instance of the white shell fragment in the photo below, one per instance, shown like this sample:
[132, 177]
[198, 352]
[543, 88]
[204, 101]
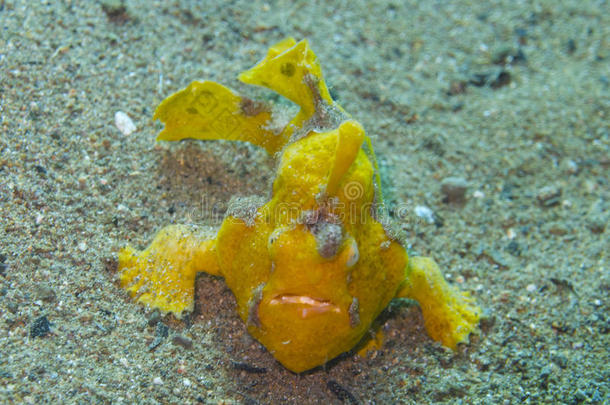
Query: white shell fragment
[425, 213]
[124, 123]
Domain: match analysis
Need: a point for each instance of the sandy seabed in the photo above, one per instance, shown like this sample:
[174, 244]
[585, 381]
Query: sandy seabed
[510, 97]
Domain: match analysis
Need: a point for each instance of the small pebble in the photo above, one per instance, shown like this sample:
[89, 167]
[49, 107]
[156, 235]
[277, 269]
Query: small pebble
[40, 169]
[508, 55]
[45, 293]
[154, 318]
[596, 224]
[561, 360]
[34, 108]
[342, 393]
[3, 265]
[531, 287]
[183, 341]
[454, 190]
[82, 246]
[497, 258]
[124, 123]
[548, 196]
[590, 186]
[571, 167]
[571, 46]
[580, 396]
[596, 397]
[545, 372]
[40, 327]
[157, 381]
[186, 382]
[513, 248]
[161, 332]
[502, 79]
[113, 7]
[557, 229]
[457, 87]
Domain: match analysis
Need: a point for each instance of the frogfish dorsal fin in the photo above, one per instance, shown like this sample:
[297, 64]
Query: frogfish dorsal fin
[292, 70]
[208, 110]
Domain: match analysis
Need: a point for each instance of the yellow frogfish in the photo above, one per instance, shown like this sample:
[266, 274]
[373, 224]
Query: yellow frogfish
[314, 266]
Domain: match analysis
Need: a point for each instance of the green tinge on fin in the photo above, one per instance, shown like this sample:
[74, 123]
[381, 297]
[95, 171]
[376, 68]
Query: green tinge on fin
[371, 155]
[208, 110]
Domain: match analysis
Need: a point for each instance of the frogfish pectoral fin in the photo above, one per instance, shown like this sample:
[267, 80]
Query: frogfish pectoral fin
[450, 315]
[163, 275]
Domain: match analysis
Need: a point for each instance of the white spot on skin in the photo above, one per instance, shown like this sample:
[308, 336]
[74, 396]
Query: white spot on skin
[354, 254]
[274, 236]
